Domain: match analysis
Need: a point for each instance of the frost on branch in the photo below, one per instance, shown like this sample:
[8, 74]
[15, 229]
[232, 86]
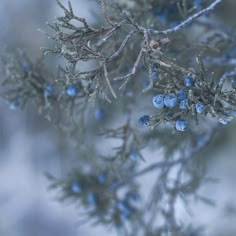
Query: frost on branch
[158, 85]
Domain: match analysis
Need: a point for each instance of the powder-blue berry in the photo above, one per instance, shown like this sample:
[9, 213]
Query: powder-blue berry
[224, 121]
[170, 100]
[76, 187]
[49, 90]
[231, 113]
[154, 75]
[133, 155]
[183, 105]
[181, 95]
[72, 90]
[14, 105]
[124, 209]
[188, 81]
[92, 199]
[181, 125]
[158, 101]
[102, 178]
[26, 66]
[99, 114]
[144, 121]
[200, 107]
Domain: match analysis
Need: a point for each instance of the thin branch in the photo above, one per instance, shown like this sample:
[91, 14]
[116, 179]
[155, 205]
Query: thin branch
[189, 20]
[108, 81]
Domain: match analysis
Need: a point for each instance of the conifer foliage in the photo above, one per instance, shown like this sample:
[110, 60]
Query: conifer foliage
[158, 84]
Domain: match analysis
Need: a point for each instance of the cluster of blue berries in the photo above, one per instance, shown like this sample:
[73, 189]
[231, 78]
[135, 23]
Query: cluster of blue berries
[49, 90]
[179, 102]
[91, 198]
[124, 207]
[127, 205]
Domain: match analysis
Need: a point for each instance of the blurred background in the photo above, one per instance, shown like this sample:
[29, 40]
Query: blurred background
[30, 145]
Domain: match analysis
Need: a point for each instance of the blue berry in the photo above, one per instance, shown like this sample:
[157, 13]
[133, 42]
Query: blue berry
[133, 155]
[14, 105]
[154, 75]
[102, 178]
[124, 209]
[231, 113]
[188, 81]
[158, 101]
[99, 114]
[71, 90]
[170, 100]
[92, 199]
[76, 187]
[183, 105]
[132, 198]
[181, 95]
[200, 107]
[233, 83]
[154, 66]
[181, 125]
[224, 121]
[25, 65]
[48, 90]
[144, 121]
[146, 84]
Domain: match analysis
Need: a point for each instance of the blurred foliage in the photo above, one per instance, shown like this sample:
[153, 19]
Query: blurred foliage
[148, 76]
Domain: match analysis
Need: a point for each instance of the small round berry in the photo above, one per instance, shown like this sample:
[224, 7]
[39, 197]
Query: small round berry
[181, 95]
[154, 75]
[181, 125]
[188, 81]
[92, 199]
[76, 187]
[231, 113]
[48, 90]
[25, 65]
[102, 178]
[158, 101]
[200, 107]
[224, 121]
[154, 66]
[99, 114]
[132, 198]
[133, 155]
[124, 209]
[14, 105]
[233, 83]
[146, 83]
[71, 90]
[170, 100]
[144, 121]
[183, 105]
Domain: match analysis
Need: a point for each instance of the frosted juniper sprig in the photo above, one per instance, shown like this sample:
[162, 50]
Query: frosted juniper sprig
[189, 82]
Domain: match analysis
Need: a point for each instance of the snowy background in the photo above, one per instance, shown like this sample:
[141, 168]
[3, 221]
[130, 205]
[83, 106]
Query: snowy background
[29, 146]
